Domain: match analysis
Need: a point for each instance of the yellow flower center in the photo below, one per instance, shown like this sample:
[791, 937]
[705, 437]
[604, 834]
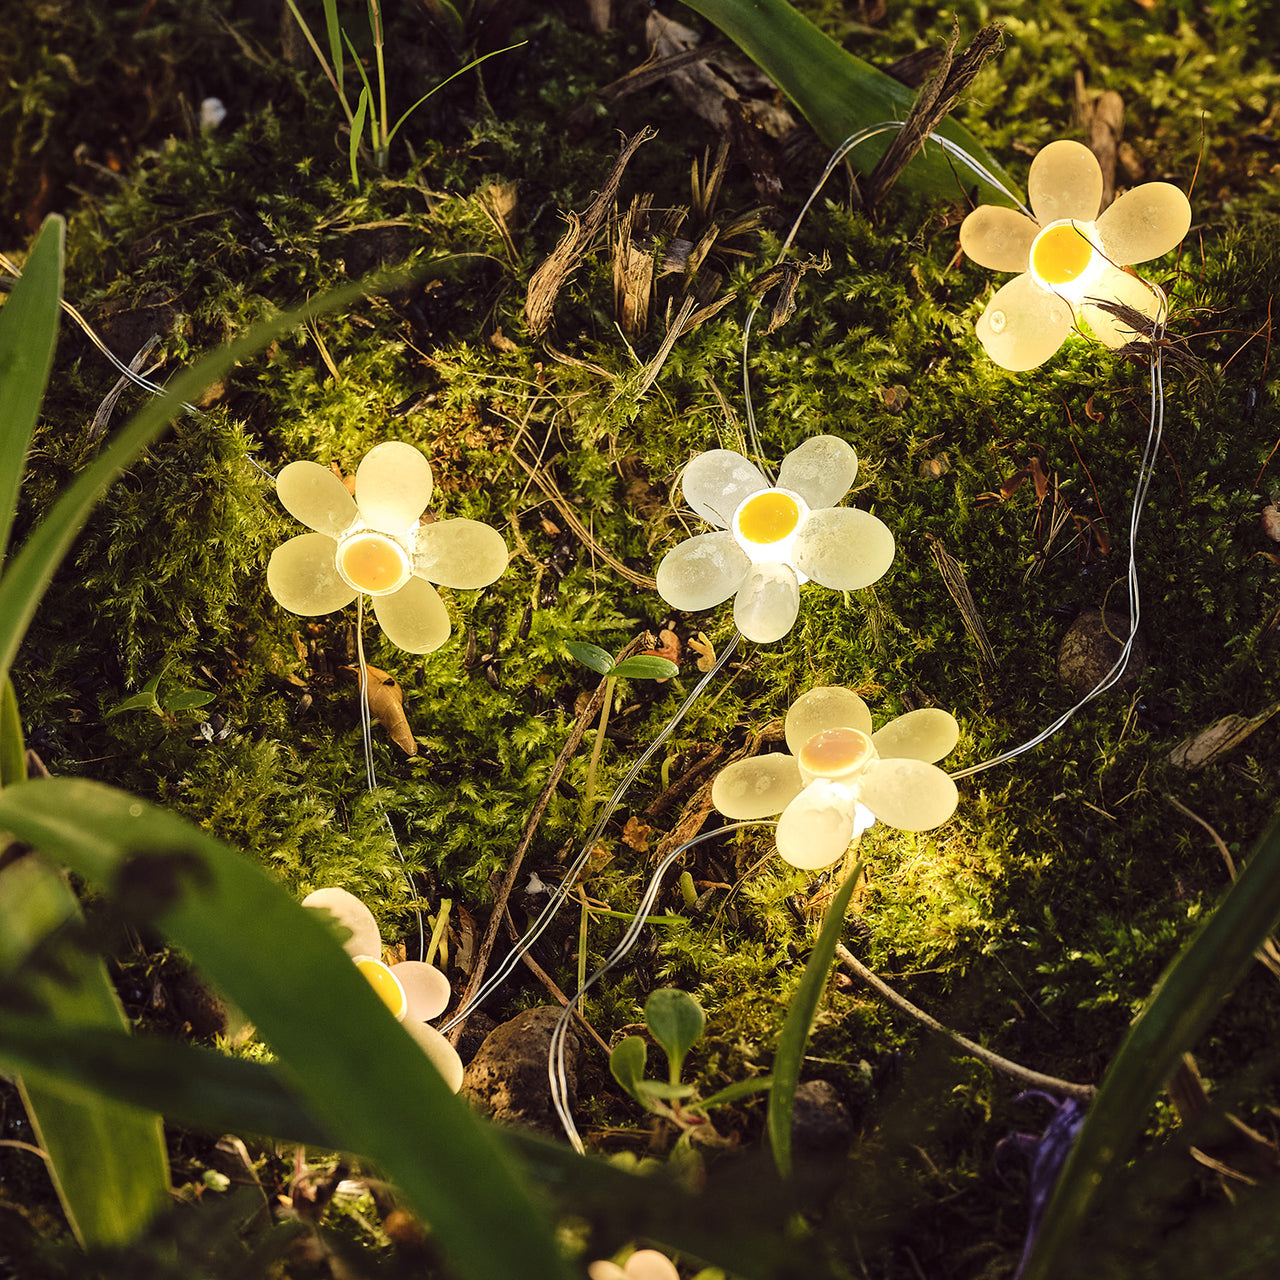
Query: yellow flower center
[835, 753]
[385, 983]
[373, 562]
[768, 517]
[1061, 254]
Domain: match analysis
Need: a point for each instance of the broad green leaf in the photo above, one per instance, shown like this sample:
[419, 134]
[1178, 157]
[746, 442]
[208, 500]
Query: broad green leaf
[626, 1063]
[13, 754]
[840, 94]
[1181, 1007]
[28, 334]
[789, 1056]
[591, 655]
[354, 1065]
[676, 1020]
[188, 700]
[641, 667]
[661, 1089]
[106, 1158]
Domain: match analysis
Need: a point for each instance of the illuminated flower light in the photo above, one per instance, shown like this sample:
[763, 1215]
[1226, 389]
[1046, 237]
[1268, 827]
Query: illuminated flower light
[770, 540]
[840, 777]
[412, 990]
[1070, 256]
[644, 1264]
[373, 543]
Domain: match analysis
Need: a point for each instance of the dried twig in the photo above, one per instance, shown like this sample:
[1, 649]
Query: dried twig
[954, 581]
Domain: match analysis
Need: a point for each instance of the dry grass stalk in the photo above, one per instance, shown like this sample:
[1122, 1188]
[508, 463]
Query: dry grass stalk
[954, 580]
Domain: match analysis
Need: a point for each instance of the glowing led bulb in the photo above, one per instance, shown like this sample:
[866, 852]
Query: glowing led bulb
[766, 524]
[1065, 257]
[385, 983]
[373, 562]
[836, 754]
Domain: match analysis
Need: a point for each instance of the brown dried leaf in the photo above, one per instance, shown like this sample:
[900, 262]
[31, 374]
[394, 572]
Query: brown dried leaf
[635, 835]
[386, 704]
[1271, 522]
[705, 650]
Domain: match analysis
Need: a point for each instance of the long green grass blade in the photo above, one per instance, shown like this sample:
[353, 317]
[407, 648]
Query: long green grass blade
[1182, 1005]
[28, 333]
[840, 94]
[789, 1055]
[106, 1158]
[13, 754]
[31, 568]
[355, 1067]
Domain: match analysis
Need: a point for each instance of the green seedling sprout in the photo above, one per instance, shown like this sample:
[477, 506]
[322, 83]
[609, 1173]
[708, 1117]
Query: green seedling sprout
[147, 699]
[639, 667]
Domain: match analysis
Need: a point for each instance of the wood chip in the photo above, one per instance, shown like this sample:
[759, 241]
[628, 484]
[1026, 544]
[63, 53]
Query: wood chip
[1202, 749]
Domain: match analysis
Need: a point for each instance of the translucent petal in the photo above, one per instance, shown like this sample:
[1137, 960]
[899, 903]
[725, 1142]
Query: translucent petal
[1144, 223]
[425, 986]
[998, 239]
[463, 554]
[927, 734]
[413, 617]
[908, 794]
[844, 548]
[1023, 324]
[766, 605]
[444, 1057]
[826, 707]
[303, 576]
[649, 1264]
[757, 788]
[821, 470]
[702, 571]
[605, 1270]
[816, 827]
[351, 914]
[715, 483]
[313, 494]
[1120, 286]
[1065, 182]
[393, 486]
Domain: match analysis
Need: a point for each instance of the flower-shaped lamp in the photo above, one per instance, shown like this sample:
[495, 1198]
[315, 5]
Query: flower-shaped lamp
[770, 540]
[412, 990]
[644, 1264]
[1070, 257]
[840, 776]
[373, 543]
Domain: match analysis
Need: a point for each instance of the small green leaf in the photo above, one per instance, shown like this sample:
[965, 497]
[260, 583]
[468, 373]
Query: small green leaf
[357, 128]
[661, 1089]
[144, 701]
[626, 1063]
[188, 700]
[676, 1020]
[642, 667]
[739, 1089]
[591, 655]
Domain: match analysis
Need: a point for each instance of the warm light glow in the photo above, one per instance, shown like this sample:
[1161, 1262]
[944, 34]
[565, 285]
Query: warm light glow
[373, 562]
[768, 516]
[836, 753]
[1061, 254]
[385, 983]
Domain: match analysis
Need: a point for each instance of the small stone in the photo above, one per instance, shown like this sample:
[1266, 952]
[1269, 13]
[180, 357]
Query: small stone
[820, 1122]
[1089, 650]
[507, 1079]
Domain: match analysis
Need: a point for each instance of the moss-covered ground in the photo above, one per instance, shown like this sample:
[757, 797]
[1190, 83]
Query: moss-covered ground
[1038, 919]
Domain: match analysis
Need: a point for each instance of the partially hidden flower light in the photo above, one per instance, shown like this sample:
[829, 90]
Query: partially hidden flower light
[373, 543]
[412, 990]
[1070, 257]
[840, 776]
[771, 539]
[644, 1264]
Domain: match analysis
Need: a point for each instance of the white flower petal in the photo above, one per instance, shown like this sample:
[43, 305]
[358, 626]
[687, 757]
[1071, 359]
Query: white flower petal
[1065, 181]
[821, 470]
[757, 788]
[1023, 324]
[463, 554]
[816, 827]
[717, 481]
[844, 548]
[826, 707]
[766, 605]
[908, 794]
[1120, 286]
[998, 239]
[414, 618]
[303, 576]
[1144, 223]
[393, 486]
[927, 734]
[313, 494]
[649, 1264]
[350, 914]
[425, 987]
[444, 1057]
[603, 1269]
[702, 571]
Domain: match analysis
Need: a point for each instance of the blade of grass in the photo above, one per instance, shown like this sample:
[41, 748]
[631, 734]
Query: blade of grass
[461, 71]
[354, 1065]
[335, 48]
[13, 755]
[28, 333]
[1182, 1005]
[789, 1055]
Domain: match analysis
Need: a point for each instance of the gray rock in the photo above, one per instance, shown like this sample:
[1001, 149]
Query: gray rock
[1088, 651]
[820, 1122]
